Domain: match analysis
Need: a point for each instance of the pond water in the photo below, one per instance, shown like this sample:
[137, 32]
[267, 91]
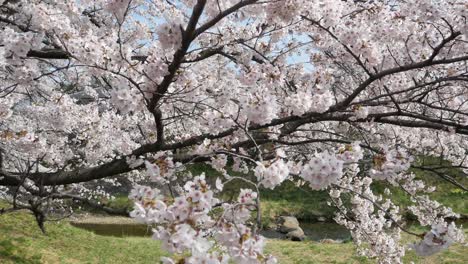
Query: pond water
[313, 231]
[114, 229]
[316, 231]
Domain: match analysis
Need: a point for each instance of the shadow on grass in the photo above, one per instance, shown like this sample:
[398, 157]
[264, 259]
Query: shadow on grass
[9, 251]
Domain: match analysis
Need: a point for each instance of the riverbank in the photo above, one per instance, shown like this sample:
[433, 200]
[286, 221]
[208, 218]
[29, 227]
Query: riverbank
[309, 205]
[123, 227]
[22, 242]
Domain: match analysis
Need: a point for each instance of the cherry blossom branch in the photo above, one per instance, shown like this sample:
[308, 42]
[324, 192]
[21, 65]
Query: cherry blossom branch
[119, 165]
[381, 209]
[257, 200]
[187, 38]
[222, 15]
[356, 57]
[443, 176]
[422, 64]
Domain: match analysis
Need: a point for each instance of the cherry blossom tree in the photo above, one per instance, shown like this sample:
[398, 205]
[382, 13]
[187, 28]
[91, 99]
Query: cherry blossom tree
[332, 94]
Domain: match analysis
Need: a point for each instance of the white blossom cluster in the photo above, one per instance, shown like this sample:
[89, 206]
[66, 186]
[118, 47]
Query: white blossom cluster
[155, 69]
[170, 35]
[351, 153]
[322, 99]
[185, 224]
[322, 170]
[272, 175]
[360, 112]
[315, 100]
[410, 184]
[219, 163]
[118, 8]
[299, 103]
[17, 44]
[371, 222]
[440, 237]
[239, 165]
[429, 211]
[143, 194]
[161, 169]
[388, 165]
[125, 100]
[262, 111]
[241, 212]
[282, 11]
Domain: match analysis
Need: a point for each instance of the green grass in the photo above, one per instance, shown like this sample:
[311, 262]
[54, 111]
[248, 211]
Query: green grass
[289, 252]
[22, 242]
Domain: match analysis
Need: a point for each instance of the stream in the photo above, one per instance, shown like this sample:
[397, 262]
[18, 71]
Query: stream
[313, 231]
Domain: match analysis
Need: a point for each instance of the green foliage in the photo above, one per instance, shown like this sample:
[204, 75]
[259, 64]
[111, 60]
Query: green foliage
[309, 205]
[446, 193]
[286, 199]
[121, 202]
[302, 202]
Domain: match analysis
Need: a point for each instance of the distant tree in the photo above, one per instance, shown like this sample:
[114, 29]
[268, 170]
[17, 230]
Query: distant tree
[336, 94]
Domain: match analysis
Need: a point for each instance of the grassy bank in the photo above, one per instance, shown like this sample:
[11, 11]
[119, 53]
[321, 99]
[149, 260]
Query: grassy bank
[308, 205]
[290, 252]
[285, 199]
[22, 242]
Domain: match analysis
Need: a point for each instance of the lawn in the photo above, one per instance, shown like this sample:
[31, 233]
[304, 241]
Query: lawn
[22, 242]
[309, 252]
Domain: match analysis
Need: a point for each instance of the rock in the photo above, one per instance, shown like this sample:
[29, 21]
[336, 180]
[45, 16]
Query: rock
[296, 235]
[331, 241]
[321, 219]
[287, 224]
[290, 226]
